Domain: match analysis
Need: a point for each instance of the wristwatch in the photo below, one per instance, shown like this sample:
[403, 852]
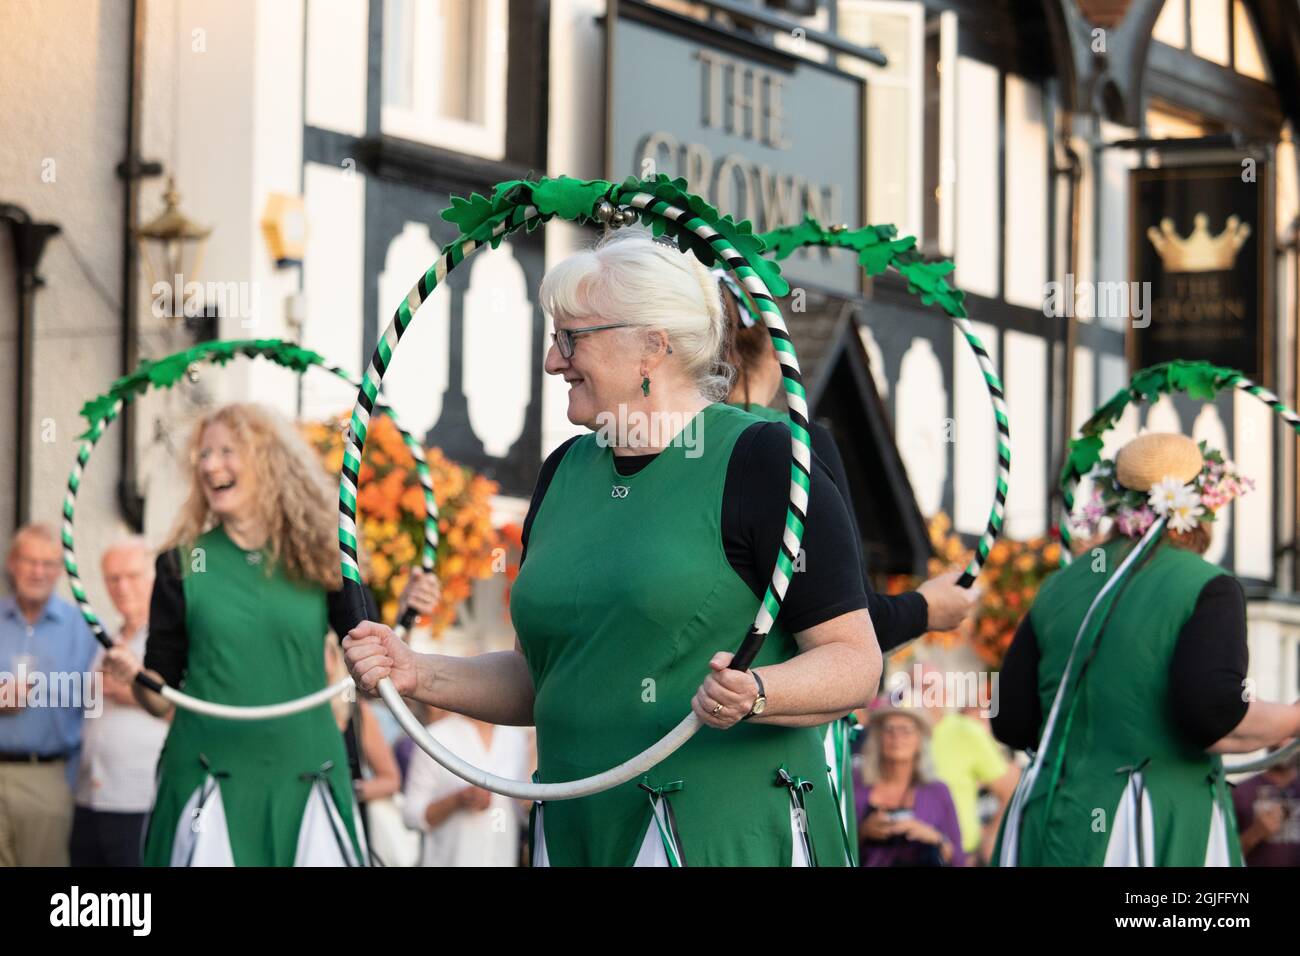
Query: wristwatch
[760, 702]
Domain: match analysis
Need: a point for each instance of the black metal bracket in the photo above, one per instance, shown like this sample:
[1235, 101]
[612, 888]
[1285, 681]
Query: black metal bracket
[137, 168]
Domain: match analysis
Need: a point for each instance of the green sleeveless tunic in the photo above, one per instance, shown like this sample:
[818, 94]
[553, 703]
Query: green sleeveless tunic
[253, 639]
[619, 606]
[1122, 748]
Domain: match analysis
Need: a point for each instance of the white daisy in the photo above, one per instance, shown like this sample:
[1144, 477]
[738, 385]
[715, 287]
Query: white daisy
[1183, 516]
[1187, 495]
[1165, 494]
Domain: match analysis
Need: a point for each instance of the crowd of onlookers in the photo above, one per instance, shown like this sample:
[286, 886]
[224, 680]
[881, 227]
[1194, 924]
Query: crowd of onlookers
[77, 776]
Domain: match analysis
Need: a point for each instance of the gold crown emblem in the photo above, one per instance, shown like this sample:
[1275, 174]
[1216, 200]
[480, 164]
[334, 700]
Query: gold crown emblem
[1199, 252]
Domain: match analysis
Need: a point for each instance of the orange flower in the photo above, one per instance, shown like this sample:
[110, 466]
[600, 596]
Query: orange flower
[389, 439]
[391, 509]
[412, 501]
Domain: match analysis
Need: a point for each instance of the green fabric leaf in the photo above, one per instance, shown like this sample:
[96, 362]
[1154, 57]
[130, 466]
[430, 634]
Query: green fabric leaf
[571, 199]
[876, 258]
[789, 239]
[877, 250]
[167, 371]
[1199, 380]
[470, 215]
[96, 410]
[1108, 414]
[1084, 453]
[928, 280]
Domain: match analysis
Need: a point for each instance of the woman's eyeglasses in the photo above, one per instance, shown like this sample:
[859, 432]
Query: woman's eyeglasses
[563, 338]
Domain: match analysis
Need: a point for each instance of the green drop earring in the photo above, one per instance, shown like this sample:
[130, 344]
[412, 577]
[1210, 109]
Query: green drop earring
[645, 386]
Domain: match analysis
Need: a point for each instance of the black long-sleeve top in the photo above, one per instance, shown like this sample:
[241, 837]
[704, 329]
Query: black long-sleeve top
[897, 618]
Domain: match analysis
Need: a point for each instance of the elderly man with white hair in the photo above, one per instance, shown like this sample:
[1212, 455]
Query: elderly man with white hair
[43, 640]
[119, 754]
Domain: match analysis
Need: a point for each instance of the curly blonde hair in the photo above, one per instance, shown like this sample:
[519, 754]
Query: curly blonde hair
[293, 501]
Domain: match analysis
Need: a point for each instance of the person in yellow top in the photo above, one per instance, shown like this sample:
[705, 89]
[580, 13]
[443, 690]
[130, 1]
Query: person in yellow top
[968, 759]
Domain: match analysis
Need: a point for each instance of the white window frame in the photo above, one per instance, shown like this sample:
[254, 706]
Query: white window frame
[421, 122]
[914, 85]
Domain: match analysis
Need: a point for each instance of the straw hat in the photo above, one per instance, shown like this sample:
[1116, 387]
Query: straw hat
[1149, 459]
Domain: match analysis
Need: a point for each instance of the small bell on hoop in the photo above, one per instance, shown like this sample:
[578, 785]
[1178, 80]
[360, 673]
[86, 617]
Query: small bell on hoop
[612, 216]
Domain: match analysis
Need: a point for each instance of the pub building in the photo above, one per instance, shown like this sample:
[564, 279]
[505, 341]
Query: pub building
[1115, 181]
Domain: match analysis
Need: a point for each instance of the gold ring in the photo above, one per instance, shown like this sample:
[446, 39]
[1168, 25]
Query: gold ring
[716, 710]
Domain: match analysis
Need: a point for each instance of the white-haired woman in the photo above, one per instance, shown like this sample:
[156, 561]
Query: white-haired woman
[648, 545]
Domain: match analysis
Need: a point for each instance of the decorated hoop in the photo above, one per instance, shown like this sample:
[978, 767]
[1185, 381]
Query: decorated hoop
[1199, 380]
[878, 250]
[164, 373]
[668, 208]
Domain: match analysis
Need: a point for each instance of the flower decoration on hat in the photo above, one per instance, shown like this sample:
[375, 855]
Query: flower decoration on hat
[1125, 494]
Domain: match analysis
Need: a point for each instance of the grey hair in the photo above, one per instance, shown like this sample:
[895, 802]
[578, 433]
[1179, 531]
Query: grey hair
[134, 542]
[922, 765]
[631, 277]
[38, 531]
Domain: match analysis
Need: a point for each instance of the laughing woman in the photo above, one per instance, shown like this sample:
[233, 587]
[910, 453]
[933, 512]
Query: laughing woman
[244, 593]
[647, 549]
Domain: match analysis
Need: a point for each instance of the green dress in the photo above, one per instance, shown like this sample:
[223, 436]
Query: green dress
[624, 598]
[1118, 784]
[240, 791]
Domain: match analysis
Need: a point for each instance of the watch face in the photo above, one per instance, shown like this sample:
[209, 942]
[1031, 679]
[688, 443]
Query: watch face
[760, 705]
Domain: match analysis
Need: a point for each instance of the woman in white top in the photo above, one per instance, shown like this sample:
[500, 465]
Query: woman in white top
[463, 825]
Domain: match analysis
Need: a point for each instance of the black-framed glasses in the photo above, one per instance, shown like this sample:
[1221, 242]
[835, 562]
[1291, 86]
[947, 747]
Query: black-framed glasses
[563, 338]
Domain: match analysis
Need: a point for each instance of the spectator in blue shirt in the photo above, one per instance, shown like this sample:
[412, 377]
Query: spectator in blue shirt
[46, 652]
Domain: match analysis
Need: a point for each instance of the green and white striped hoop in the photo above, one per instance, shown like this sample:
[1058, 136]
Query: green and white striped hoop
[101, 411]
[668, 208]
[878, 249]
[1200, 380]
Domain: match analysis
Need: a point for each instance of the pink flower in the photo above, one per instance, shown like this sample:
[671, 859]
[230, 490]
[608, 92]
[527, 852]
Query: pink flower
[1134, 522]
[1214, 498]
